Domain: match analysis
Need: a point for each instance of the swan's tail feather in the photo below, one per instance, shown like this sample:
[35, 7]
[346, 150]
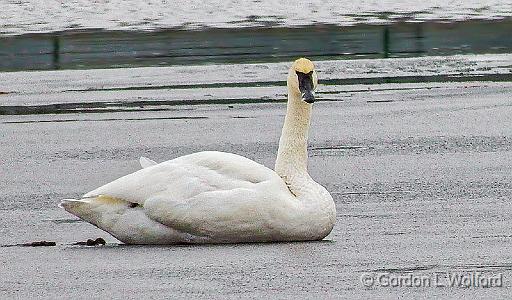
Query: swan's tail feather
[64, 203]
[146, 162]
[124, 220]
[74, 206]
[101, 211]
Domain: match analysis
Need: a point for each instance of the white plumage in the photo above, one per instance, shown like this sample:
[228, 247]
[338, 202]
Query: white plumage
[217, 197]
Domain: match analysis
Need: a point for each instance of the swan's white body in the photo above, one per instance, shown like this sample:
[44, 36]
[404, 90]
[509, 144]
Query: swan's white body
[217, 197]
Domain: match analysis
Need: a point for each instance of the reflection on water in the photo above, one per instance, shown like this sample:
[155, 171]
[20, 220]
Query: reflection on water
[106, 49]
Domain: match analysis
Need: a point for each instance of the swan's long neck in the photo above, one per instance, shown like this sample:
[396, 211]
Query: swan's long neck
[292, 156]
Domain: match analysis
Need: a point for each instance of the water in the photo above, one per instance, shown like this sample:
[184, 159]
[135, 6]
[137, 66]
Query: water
[18, 17]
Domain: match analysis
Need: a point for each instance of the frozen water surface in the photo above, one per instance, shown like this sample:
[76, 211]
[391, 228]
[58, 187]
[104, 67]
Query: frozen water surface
[419, 171]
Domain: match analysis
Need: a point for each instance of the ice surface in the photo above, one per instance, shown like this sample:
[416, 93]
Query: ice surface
[421, 185]
[420, 173]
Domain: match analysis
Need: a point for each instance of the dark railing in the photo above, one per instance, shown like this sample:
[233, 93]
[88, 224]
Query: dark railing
[107, 49]
[56, 52]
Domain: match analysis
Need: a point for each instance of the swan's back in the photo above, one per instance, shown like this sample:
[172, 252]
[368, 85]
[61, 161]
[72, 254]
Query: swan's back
[189, 175]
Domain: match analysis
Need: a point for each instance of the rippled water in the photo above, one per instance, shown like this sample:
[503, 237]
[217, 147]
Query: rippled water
[18, 17]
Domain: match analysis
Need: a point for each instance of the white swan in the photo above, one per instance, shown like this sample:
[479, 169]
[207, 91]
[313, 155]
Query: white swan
[216, 197]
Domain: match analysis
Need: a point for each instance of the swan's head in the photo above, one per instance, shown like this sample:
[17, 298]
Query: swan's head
[302, 79]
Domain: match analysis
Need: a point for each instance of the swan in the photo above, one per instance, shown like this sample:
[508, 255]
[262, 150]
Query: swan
[218, 197]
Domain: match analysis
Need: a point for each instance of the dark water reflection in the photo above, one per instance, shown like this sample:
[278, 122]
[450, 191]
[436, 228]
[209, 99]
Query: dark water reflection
[107, 49]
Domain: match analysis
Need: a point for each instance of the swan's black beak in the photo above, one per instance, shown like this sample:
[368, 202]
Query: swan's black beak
[306, 86]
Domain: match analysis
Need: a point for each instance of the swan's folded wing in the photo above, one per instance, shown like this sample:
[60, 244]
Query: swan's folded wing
[226, 197]
[203, 193]
[223, 215]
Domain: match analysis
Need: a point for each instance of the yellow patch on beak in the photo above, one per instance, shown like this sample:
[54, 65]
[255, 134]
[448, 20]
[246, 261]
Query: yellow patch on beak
[303, 65]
